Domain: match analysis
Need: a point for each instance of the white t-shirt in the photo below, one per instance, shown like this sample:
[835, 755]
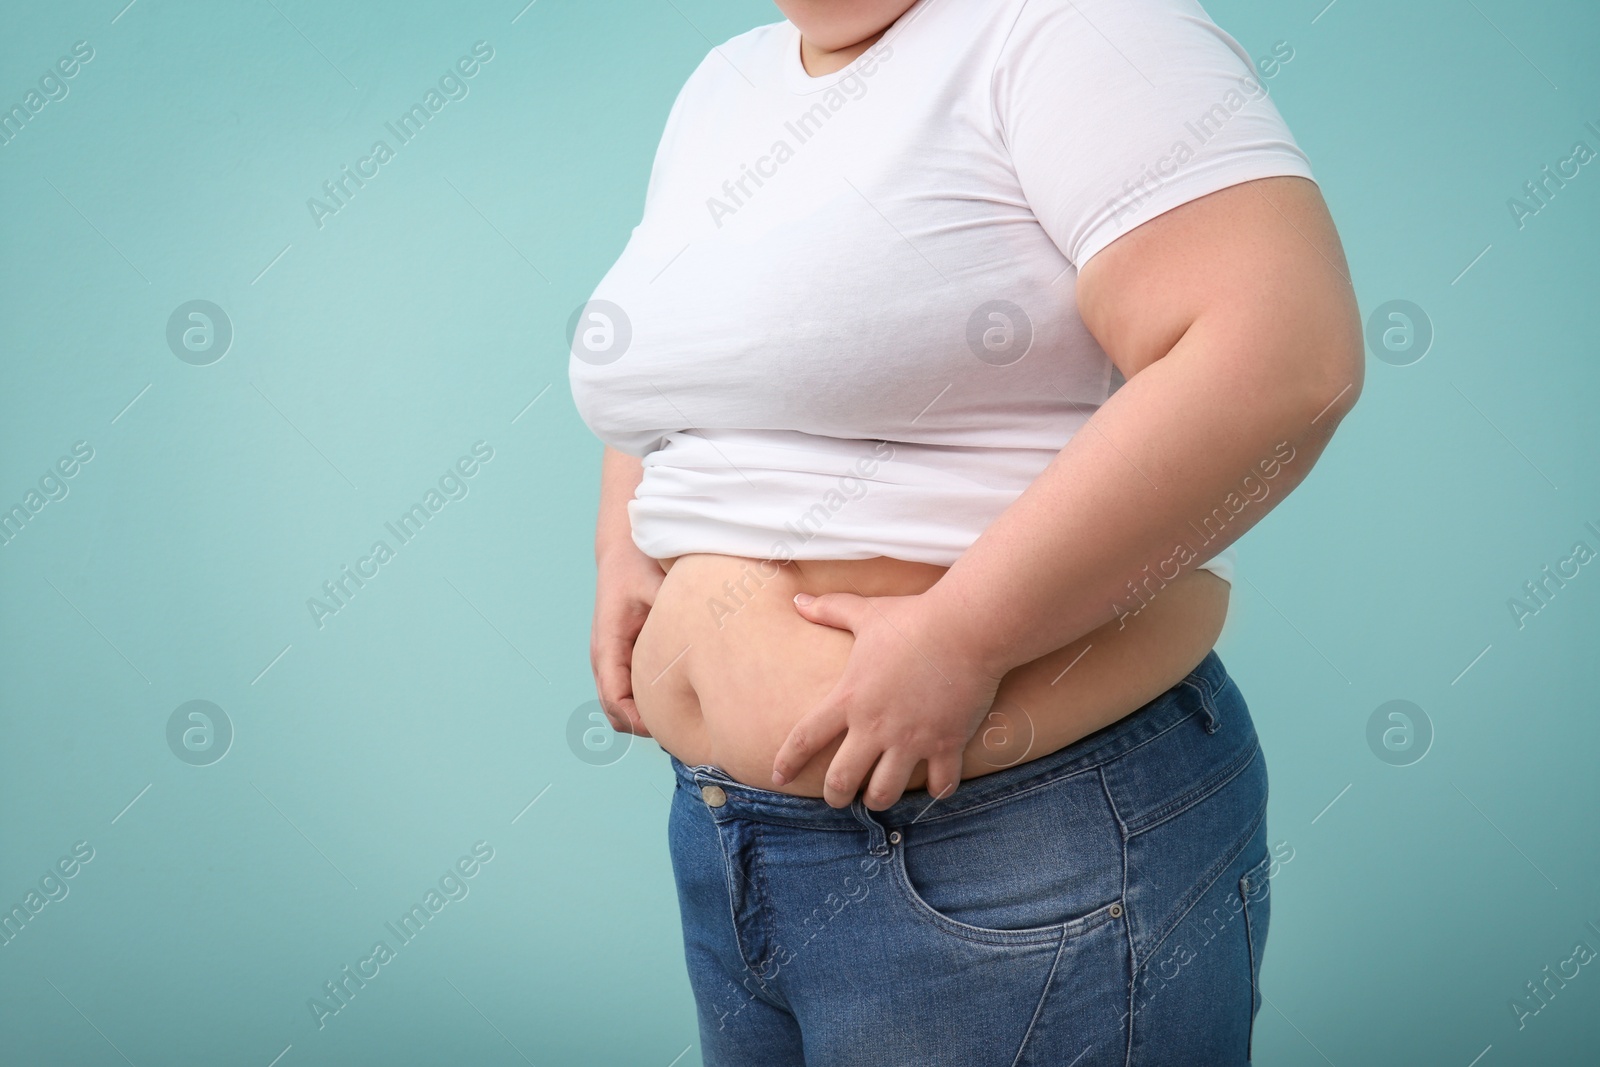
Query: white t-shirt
[846, 325]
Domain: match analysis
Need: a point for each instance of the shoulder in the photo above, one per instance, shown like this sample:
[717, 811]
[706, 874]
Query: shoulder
[740, 57]
[715, 84]
[1146, 38]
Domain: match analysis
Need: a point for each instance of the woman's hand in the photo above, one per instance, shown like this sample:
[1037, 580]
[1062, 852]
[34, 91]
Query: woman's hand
[912, 689]
[625, 589]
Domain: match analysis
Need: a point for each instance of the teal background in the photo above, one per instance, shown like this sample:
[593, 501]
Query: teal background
[432, 711]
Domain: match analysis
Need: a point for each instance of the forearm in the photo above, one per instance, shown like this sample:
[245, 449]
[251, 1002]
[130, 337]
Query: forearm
[620, 475]
[1184, 458]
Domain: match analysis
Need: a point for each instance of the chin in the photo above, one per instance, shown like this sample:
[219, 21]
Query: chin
[834, 24]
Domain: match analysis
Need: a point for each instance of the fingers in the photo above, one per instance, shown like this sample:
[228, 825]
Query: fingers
[849, 769]
[614, 681]
[944, 773]
[814, 732]
[839, 610]
[889, 779]
[631, 717]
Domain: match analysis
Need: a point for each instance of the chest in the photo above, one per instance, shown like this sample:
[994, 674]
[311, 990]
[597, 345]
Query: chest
[850, 269]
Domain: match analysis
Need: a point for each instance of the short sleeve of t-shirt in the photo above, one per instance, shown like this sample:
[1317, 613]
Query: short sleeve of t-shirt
[1115, 111]
[668, 145]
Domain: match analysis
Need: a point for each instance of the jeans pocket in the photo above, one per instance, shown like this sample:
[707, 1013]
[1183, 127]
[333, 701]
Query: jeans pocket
[1255, 887]
[1033, 867]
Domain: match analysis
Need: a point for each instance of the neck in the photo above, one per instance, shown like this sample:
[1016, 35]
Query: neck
[819, 62]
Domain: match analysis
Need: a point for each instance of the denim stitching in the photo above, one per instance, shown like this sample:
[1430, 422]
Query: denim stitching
[1097, 767]
[1201, 685]
[1027, 937]
[764, 905]
[1206, 788]
[1203, 886]
[1246, 885]
[1173, 808]
[1127, 920]
[1210, 695]
[728, 874]
[1044, 995]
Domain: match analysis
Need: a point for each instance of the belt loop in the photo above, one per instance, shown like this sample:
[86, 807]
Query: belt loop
[1202, 685]
[877, 840]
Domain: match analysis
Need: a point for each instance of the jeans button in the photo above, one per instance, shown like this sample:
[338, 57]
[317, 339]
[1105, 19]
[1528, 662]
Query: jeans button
[713, 795]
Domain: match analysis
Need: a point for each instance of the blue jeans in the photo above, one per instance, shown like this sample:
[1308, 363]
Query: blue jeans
[1106, 904]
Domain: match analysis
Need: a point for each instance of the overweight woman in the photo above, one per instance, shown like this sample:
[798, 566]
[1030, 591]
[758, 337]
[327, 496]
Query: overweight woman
[958, 342]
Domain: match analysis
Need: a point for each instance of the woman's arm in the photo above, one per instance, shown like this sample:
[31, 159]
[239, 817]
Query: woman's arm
[620, 475]
[626, 581]
[1233, 320]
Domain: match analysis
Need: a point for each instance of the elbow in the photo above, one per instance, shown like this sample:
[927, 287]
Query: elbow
[1307, 388]
[1334, 393]
[1332, 370]
[1342, 368]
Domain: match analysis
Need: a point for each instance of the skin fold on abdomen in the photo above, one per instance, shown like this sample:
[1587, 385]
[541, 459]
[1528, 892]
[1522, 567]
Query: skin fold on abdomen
[725, 666]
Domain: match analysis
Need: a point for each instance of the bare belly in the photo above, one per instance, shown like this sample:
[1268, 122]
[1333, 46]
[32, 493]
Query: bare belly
[725, 666]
